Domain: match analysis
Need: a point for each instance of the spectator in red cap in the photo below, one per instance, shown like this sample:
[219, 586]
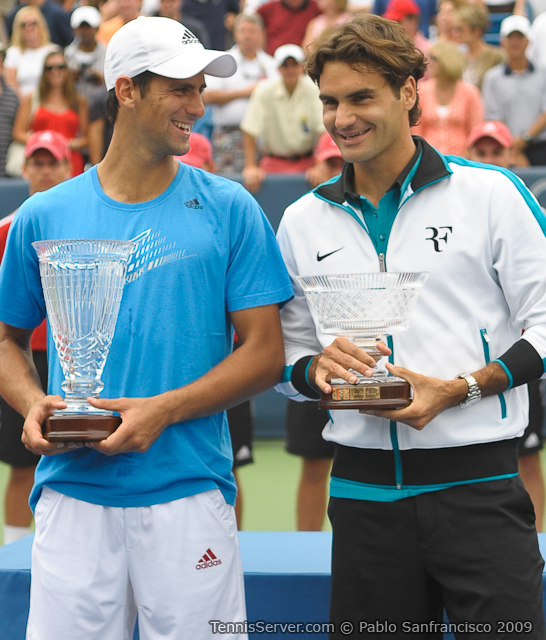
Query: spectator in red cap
[427, 12]
[200, 153]
[407, 13]
[328, 161]
[492, 142]
[47, 163]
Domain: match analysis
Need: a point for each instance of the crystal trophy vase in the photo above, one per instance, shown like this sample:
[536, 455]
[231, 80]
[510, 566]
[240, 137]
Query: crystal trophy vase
[365, 308]
[83, 283]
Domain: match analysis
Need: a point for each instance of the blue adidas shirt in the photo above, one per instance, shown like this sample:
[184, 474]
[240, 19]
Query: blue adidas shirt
[204, 248]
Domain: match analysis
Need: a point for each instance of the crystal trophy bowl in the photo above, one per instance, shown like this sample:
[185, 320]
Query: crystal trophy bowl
[365, 308]
[83, 283]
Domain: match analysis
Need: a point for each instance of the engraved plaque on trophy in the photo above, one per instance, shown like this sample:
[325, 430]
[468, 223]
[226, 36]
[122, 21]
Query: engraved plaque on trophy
[83, 283]
[365, 308]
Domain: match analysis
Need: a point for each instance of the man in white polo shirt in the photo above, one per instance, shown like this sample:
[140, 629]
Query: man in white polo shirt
[284, 120]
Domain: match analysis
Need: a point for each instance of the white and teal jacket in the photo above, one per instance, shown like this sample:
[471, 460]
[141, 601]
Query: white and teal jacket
[480, 234]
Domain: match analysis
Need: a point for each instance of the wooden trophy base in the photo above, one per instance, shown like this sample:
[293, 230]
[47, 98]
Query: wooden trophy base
[368, 395]
[73, 428]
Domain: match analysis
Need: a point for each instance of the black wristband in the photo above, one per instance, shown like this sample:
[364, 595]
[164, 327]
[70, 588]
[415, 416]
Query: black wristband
[522, 362]
[299, 379]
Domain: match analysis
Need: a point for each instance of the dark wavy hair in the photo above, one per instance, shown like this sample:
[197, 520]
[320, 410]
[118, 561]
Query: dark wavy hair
[374, 43]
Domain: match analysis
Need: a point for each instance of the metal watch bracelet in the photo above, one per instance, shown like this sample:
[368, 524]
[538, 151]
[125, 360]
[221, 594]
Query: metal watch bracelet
[474, 394]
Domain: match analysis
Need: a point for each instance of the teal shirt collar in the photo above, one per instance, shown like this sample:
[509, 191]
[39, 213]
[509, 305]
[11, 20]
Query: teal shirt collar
[379, 221]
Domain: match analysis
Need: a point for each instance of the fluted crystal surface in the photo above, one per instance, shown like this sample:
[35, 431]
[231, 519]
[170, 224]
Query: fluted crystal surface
[83, 283]
[362, 304]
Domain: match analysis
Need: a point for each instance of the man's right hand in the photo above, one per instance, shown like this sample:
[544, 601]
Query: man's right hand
[33, 438]
[336, 360]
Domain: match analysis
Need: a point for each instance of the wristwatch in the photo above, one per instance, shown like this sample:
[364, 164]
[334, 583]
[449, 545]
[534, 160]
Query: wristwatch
[474, 394]
[526, 137]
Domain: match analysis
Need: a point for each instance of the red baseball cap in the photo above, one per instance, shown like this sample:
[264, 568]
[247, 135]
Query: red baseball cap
[398, 9]
[52, 141]
[326, 148]
[491, 129]
[199, 153]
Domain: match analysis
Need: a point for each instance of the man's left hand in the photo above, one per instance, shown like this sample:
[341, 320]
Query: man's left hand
[142, 422]
[431, 396]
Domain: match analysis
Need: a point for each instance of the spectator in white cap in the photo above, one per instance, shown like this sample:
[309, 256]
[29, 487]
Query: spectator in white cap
[515, 93]
[283, 121]
[143, 520]
[85, 56]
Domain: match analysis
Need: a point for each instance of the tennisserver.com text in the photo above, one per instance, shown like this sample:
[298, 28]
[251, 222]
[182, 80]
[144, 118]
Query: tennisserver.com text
[260, 626]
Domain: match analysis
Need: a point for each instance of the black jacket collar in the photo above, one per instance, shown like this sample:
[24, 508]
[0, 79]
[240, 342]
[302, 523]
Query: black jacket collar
[431, 168]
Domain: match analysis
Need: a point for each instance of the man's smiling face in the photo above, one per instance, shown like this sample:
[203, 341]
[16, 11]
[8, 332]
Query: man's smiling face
[362, 113]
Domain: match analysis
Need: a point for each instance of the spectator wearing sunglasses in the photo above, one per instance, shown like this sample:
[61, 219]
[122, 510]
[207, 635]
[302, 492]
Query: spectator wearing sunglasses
[56, 18]
[56, 107]
[29, 45]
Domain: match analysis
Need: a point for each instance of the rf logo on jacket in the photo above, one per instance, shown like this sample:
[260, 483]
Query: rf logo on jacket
[437, 238]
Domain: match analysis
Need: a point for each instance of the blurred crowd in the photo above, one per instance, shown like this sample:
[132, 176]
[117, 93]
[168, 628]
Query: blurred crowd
[487, 62]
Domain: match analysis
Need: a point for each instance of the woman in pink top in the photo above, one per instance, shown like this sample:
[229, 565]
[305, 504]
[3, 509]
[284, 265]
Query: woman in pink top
[450, 107]
[333, 12]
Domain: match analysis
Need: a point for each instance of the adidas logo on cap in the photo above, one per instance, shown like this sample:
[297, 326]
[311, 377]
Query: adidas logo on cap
[189, 38]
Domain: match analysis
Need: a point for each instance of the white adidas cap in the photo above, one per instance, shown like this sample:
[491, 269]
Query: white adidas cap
[165, 47]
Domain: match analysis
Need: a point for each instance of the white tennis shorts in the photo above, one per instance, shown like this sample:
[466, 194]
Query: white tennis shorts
[94, 568]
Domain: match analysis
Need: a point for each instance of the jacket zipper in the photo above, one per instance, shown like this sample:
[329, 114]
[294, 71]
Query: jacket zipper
[393, 429]
[398, 475]
[485, 342]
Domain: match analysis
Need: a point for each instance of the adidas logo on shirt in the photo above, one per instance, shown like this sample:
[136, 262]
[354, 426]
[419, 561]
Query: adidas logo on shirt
[193, 204]
[208, 560]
